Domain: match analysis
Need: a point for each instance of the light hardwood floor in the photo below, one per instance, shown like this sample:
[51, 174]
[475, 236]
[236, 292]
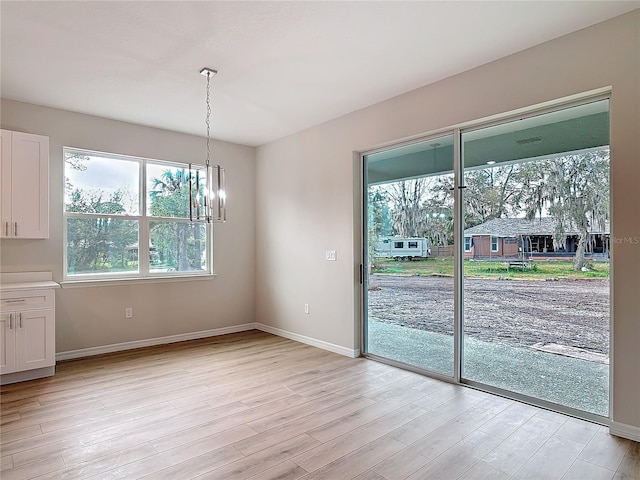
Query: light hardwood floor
[256, 406]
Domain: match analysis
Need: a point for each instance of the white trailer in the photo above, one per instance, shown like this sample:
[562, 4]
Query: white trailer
[401, 248]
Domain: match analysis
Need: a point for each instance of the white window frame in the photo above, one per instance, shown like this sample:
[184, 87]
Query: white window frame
[467, 244]
[494, 240]
[143, 220]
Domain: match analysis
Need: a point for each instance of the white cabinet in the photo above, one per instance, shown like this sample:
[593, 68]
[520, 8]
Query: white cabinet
[27, 322]
[24, 183]
[7, 343]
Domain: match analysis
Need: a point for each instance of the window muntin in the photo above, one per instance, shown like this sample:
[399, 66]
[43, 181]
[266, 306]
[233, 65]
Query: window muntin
[129, 217]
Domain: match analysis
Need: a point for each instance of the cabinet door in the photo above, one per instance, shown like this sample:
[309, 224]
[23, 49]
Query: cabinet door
[35, 339]
[29, 186]
[7, 343]
[5, 183]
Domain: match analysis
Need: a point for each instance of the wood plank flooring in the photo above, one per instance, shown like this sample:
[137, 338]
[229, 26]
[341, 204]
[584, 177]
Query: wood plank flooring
[256, 406]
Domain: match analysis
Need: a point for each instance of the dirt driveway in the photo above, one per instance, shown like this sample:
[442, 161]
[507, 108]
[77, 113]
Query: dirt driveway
[524, 313]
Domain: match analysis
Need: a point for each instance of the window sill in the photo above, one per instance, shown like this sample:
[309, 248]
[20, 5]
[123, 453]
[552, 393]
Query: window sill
[112, 282]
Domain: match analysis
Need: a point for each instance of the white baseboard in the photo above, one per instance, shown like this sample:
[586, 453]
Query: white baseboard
[118, 347]
[352, 353]
[626, 431]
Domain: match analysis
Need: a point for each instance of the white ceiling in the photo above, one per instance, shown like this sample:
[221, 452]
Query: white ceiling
[283, 66]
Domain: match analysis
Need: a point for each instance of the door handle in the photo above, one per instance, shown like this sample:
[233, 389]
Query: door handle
[6, 229]
[11, 321]
[15, 229]
[20, 318]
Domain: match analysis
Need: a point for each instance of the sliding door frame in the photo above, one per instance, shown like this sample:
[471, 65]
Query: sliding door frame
[364, 260]
[458, 327]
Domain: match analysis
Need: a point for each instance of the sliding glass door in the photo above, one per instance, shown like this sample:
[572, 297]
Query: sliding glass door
[487, 257]
[409, 284]
[536, 263]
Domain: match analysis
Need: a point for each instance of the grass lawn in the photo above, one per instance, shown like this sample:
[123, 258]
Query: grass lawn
[536, 270]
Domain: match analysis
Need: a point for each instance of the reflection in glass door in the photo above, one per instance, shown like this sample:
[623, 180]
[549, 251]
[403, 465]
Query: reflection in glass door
[409, 267]
[536, 257]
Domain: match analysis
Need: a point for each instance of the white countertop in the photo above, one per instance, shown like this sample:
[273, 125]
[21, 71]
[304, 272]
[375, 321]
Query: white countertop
[14, 286]
[10, 282]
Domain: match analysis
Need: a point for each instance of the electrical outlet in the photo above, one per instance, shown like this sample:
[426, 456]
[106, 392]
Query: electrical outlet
[128, 312]
[306, 308]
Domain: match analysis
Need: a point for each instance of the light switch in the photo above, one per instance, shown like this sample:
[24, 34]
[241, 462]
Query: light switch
[330, 255]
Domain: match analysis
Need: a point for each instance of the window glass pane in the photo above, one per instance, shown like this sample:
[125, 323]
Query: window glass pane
[106, 185]
[100, 188]
[536, 203]
[168, 190]
[177, 246]
[408, 304]
[101, 245]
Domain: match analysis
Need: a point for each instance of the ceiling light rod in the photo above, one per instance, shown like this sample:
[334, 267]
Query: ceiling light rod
[208, 72]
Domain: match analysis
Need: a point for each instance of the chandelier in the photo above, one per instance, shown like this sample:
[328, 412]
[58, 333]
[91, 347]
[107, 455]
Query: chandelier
[208, 198]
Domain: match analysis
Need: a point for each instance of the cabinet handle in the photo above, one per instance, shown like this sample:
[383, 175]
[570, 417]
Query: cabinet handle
[17, 300]
[6, 229]
[15, 229]
[11, 321]
[20, 318]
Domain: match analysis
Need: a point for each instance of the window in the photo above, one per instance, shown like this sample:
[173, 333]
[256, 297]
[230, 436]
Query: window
[413, 244]
[132, 217]
[494, 244]
[398, 244]
[467, 244]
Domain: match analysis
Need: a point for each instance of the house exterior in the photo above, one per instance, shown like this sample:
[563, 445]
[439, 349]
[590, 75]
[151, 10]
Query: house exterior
[518, 237]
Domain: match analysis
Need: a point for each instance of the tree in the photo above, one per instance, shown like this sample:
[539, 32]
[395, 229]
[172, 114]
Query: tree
[95, 243]
[489, 194]
[75, 161]
[438, 209]
[439, 222]
[422, 207]
[379, 213]
[170, 198]
[379, 218]
[408, 217]
[573, 189]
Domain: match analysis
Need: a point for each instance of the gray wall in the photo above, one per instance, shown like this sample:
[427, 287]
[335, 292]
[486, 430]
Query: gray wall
[308, 186]
[93, 316]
